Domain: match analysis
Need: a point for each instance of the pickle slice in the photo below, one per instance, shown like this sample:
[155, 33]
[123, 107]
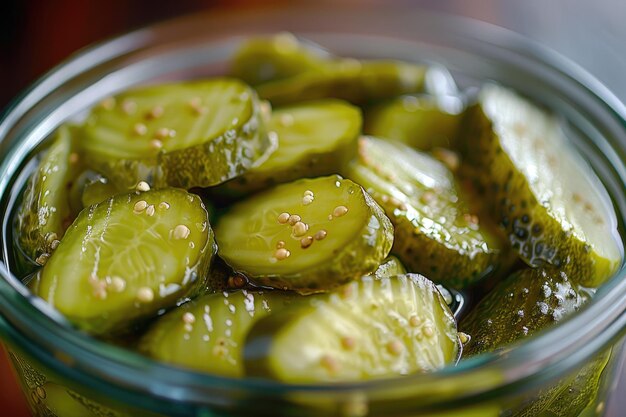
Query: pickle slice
[127, 257]
[277, 57]
[436, 234]
[207, 334]
[421, 122]
[545, 195]
[370, 328]
[314, 139]
[358, 82]
[526, 302]
[309, 235]
[188, 134]
[44, 212]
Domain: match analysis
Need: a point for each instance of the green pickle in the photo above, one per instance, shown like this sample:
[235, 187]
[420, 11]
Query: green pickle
[436, 234]
[544, 194]
[359, 82]
[260, 60]
[370, 328]
[309, 235]
[127, 257]
[208, 333]
[45, 212]
[359, 207]
[314, 139]
[418, 121]
[187, 134]
[528, 301]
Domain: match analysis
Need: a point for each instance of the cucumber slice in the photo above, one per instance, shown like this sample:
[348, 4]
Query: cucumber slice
[571, 395]
[309, 235]
[420, 122]
[188, 134]
[127, 257]
[44, 212]
[526, 302]
[207, 334]
[314, 139]
[436, 234]
[371, 328]
[545, 195]
[358, 82]
[277, 57]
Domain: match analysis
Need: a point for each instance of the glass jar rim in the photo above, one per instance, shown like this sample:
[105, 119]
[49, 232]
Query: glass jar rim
[602, 320]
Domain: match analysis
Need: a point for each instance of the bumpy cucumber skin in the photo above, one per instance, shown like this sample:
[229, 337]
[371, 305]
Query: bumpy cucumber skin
[315, 163]
[89, 312]
[570, 396]
[212, 161]
[537, 236]
[350, 80]
[415, 121]
[373, 331]
[526, 302]
[207, 334]
[45, 213]
[360, 255]
[422, 241]
[260, 60]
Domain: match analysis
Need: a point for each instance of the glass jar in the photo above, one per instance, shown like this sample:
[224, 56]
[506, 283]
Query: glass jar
[67, 373]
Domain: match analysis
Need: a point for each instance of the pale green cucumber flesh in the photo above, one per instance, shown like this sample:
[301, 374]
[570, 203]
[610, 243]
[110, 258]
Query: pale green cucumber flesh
[551, 204]
[436, 233]
[342, 234]
[127, 257]
[44, 212]
[185, 134]
[525, 303]
[314, 139]
[370, 328]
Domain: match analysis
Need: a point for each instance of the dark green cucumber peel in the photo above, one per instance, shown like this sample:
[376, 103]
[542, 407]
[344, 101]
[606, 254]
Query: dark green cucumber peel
[188, 134]
[207, 334]
[262, 59]
[358, 82]
[370, 328]
[436, 234]
[44, 212]
[551, 204]
[524, 303]
[128, 257]
[570, 396]
[417, 121]
[309, 235]
[314, 139]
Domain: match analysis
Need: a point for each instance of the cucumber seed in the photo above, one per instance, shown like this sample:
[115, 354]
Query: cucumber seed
[129, 107]
[395, 347]
[299, 229]
[150, 210]
[189, 318]
[164, 205]
[293, 219]
[145, 294]
[108, 103]
[142, 186]
[140, 129]
[140, 206]
[305, 242]
[348, 342]
[156, 144]
[283, 218]
[281, 254]
[320, 234]
[180, 232]
[280, 244]
[340, 211]
[118, 284]
[155, 113]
